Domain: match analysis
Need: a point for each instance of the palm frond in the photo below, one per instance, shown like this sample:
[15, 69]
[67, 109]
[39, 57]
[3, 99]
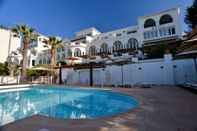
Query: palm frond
[45, 41]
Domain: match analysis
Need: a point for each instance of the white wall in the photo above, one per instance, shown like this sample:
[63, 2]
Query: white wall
[174, 13]
[8, 80]
[159, 72]
[8, 44]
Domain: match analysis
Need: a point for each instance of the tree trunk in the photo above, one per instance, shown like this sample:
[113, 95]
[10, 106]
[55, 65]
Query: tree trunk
[53, 57]
[53, 63]
[24, 60]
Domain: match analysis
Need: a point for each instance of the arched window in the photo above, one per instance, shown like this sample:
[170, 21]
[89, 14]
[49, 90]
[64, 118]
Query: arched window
[92, 50]
[63, 56]
[117, 46]
[16, 61]
[40, 61]
[44, 61]
[149, 23]
[69, 53]
[77, 52]
[104, 48]
[58, 57]
[132, 43]
[48, 61]
[165, 19]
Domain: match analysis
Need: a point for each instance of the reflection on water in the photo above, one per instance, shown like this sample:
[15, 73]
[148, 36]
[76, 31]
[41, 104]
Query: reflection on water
[61, 103]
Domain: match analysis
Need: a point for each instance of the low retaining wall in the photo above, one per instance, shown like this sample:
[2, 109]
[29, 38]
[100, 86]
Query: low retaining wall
[158, 72]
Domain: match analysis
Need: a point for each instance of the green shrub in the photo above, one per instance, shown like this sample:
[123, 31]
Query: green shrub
[4, 69]
[36, 73]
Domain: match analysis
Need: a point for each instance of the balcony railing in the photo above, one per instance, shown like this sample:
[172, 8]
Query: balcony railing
[160, 32]
[104, 54]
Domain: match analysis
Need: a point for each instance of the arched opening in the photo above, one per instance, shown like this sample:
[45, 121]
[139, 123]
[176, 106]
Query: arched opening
[44, 61]
[16, 61]
[104, 48]
[92, 50]
[77, 52]
[40, 61]
[69, 53]
[132, 43]
[58, 57]
[117, 45]
[165, 19]
[48, 61]
[149, 23]
[33, 62]
[63, 56]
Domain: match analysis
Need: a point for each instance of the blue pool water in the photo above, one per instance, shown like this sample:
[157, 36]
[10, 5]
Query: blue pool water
[66, 103]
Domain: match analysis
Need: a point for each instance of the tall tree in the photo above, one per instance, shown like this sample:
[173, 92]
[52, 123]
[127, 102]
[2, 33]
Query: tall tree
[27, 36]
[54, 43]
[191, 16]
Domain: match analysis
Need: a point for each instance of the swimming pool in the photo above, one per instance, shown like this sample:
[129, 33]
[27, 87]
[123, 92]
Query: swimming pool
[66, 103]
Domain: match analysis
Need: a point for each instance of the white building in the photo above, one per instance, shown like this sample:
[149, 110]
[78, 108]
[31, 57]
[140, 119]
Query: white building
[36, 49]
[8, 42]
[77, 47]
[92, 45]
[151, 30]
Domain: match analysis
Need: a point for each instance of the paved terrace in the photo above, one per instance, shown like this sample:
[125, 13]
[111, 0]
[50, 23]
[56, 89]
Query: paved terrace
[161, 109]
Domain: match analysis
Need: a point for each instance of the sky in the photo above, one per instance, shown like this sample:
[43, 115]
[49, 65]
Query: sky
[65, 17]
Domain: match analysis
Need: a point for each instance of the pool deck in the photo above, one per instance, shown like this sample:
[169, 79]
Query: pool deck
[161, 109]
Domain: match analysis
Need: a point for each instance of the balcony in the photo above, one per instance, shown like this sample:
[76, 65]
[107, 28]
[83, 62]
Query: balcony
[161, 32]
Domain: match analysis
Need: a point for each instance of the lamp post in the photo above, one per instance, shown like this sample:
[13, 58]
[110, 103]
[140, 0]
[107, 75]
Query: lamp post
[91, 74]
[122, 75]
[60, 73]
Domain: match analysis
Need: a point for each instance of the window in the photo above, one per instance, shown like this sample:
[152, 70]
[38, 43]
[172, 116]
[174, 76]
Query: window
[149, 23]
[63, 56]
[33, 62]
[84, 41]
[117, 46]
[90, 34]
[165, 19]
[48, 61]
[58, 57]
[150, 34]
[132, 43]
[58, 49]
[40, 61]
[69, 53]
[104, 48]
[77, 52]
[131, 32]
[167, 31]
[106, 37]
[62, 49]
[173, 31]
[118, 34]
[92, 51]
[44, 61]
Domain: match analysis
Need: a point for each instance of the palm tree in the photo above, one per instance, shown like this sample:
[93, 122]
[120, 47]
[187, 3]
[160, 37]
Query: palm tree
[191, 16]
[27, 36]
[54, 43]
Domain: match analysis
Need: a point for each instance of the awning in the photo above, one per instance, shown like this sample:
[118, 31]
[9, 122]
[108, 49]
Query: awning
[187, 54]
[41, 68]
